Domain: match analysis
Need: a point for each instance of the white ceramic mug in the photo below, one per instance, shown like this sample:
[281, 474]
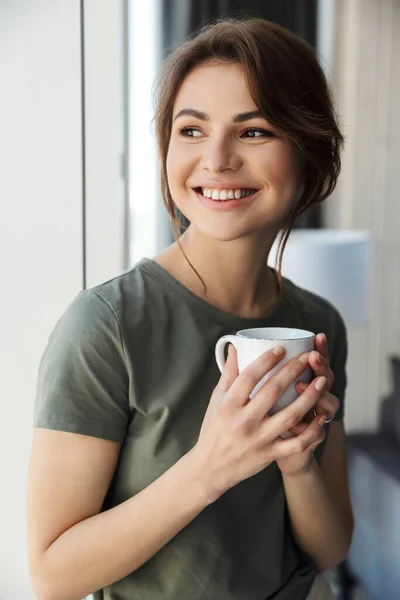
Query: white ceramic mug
[251, 343]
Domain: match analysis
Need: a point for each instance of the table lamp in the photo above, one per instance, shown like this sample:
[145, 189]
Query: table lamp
[333, 263]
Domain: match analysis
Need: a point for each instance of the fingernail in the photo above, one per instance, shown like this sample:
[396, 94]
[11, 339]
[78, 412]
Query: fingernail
[278, 351]
[302, 385]
[320, 383]
[304, 358]
[322, 337]
[321, 421]
[319, 359]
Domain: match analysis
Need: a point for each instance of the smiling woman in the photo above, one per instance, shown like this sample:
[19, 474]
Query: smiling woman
[160, 479]
[225, 145]
[277, 80]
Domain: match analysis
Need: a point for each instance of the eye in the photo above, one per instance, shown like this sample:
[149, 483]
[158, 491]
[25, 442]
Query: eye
[190, 132]
[256, 132]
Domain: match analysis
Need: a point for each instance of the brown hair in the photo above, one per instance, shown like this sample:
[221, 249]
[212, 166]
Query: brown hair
[288, 86]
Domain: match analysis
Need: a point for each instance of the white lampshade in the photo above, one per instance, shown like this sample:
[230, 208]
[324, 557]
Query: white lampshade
[332, 263]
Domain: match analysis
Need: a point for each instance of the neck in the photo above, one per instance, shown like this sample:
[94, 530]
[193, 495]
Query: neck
[236, 275]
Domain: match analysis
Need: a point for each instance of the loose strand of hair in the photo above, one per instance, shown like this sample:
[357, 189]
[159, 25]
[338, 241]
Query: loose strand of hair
[177, 227]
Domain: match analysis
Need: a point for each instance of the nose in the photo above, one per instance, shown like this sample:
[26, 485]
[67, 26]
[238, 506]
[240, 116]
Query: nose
[221, 155]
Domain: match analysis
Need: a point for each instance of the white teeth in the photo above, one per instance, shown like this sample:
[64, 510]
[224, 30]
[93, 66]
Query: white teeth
[223, 195]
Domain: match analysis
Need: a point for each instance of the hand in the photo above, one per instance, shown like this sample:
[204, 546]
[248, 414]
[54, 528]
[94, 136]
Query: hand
[326, 405]
[237, 438]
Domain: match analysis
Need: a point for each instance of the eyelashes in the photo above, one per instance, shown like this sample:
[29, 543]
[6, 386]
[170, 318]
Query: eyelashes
[257, 130]
[251, 133]
[190, 131]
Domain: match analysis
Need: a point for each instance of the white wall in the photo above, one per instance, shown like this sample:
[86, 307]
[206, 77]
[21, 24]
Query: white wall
[366, 81]
[104, 135]
[40, 232]
[41, 241]
[149, 223]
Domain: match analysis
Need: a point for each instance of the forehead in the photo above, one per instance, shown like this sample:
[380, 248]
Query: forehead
[215, 87]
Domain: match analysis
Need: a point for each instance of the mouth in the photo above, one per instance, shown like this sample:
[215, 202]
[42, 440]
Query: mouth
[224, 195]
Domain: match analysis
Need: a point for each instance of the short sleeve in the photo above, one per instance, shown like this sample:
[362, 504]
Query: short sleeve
[338, 361]
[83, 380]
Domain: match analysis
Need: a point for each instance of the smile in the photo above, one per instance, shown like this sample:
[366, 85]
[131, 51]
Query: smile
[223, 195]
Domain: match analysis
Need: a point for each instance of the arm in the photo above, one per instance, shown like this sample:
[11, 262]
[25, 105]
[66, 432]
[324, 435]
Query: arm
[82, 391]
[73, 548]
[319, 503]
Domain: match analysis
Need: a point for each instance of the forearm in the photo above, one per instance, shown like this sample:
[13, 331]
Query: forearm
[322, 527]
[108, 546]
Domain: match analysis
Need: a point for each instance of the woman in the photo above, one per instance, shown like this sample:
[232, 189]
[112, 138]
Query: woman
[152, 476]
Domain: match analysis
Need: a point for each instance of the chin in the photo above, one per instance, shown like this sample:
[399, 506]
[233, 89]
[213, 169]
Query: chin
[227, 227]
[224, 232]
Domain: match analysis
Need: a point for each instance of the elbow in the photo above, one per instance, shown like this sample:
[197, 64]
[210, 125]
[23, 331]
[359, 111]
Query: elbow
[338, 555]
[45, 589]
[38, 582]
[330, 563]
[45, 593]
[345, 546]
[42, 589]
[348, 538]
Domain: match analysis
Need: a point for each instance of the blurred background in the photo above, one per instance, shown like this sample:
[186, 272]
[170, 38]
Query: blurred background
[80, 203]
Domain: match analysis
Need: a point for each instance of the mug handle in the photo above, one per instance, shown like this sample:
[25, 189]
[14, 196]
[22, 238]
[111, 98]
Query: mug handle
[219, 349]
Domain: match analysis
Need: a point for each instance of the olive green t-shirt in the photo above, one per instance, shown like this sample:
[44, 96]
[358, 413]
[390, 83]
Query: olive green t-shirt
[132, 360]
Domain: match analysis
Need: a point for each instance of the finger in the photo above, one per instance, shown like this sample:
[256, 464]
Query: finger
[230, 372]
[320, 366]
[272, 389]
[247, 380]
[327, 404]
[290, 417]
[321, 345]
[311, 437]
[302, 426]
[304, 423]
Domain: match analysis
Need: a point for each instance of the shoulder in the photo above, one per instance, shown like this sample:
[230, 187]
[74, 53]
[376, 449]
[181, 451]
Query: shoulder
[131, 292]
[87, 329]
[95, 316]
[83, 378]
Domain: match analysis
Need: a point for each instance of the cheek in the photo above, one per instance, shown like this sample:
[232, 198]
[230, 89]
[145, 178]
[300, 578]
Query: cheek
[170, 164]
[177, 166]
[284, 170]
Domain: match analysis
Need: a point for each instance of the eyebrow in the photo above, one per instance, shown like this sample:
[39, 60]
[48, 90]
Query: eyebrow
[238, 118]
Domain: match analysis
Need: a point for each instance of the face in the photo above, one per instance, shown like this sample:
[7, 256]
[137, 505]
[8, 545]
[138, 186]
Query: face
[229, 171]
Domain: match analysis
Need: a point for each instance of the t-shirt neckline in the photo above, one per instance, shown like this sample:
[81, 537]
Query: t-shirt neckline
[156, 270]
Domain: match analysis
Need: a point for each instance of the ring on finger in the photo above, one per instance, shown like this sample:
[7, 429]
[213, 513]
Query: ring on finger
[327, 420]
